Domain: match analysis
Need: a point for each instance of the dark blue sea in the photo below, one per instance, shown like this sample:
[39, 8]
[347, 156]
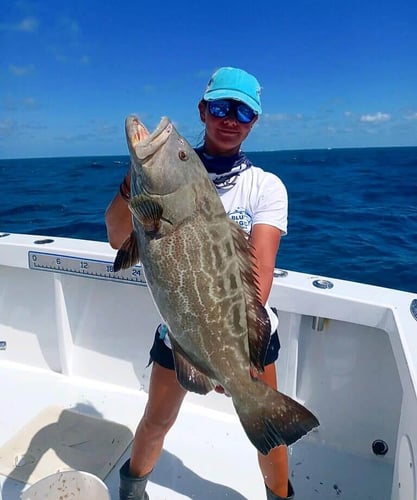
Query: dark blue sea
[352, 212]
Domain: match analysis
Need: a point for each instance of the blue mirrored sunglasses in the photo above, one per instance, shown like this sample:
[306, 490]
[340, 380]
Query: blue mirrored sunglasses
[221, 108]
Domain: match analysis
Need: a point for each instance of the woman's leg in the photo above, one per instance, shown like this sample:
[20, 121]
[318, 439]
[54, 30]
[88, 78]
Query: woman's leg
[274, 466]
[164, 402]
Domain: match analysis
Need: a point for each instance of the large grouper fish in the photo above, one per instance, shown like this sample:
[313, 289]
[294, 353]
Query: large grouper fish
[200, 271]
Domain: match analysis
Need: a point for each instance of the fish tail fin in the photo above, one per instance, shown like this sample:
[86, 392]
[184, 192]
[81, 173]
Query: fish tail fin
[271, 418]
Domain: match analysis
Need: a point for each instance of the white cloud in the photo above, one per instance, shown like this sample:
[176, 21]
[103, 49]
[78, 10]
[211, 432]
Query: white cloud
[7, 127]
[281, 117]
[276, 117]
[21, 70]
[149, 89]
[411, 116]
[30, 103]
[26, 25]
[376, 118]
[85, 59]
[57, 53]
[69, 25]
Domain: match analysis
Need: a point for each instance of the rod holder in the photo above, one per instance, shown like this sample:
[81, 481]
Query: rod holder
[318, 324]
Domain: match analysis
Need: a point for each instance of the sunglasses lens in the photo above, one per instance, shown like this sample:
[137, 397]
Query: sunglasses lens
[244, 113]
[222, 107]
[219, 108]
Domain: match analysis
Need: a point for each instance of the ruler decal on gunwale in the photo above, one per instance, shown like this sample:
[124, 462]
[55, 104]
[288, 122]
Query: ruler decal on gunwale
[84, 267]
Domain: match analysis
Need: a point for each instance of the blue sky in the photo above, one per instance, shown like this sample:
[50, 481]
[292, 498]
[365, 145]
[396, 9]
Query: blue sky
[333, 73]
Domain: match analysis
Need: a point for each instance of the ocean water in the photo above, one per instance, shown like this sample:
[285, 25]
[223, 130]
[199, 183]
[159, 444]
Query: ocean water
[352, 212]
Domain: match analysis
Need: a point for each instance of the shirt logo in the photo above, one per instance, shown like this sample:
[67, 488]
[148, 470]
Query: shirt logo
[243, 218]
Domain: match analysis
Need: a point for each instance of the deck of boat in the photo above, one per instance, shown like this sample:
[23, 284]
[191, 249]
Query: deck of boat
[206, 454]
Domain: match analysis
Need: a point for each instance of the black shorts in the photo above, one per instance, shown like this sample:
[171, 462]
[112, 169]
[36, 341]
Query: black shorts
[162, 354]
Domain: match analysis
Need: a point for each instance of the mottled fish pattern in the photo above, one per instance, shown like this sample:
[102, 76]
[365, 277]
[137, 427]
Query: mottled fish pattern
[199, 269]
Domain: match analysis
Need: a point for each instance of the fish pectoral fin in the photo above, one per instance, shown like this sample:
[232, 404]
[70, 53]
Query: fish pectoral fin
[147, 211]
[190, 377]
[128, 254]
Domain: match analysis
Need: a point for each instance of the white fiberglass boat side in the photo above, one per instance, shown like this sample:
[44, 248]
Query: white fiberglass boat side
[76, 336]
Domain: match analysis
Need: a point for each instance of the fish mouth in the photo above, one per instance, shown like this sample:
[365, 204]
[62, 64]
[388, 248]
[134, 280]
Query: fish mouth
[143, 144]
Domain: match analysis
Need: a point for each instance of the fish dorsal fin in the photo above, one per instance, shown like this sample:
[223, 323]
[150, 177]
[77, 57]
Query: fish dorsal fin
[128, 254]
[190, 377]
[259, 327]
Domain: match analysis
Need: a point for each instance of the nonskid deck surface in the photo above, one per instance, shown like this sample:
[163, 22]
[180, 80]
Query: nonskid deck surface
[206, 455]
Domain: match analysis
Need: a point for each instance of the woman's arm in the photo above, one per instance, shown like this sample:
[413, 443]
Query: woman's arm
[265, 240]
[118, 218]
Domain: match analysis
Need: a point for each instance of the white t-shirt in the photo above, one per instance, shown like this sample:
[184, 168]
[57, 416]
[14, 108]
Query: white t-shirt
[254, 197]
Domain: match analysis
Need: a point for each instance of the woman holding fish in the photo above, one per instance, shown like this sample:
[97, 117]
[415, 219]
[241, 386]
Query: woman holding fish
[257, 201]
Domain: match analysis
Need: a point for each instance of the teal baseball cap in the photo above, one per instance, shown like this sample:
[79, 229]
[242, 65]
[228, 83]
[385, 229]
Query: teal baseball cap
[234, 83]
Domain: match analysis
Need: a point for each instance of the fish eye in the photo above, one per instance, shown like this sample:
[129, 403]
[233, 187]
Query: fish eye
[182, 155]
